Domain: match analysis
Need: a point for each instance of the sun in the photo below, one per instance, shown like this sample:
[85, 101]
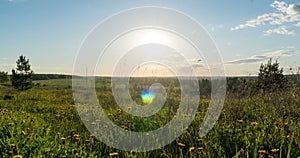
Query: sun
[150, 36]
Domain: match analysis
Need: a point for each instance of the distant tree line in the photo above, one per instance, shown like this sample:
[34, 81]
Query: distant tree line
[50, 76]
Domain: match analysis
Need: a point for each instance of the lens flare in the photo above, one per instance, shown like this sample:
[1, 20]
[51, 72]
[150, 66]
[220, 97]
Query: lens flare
[147, 96]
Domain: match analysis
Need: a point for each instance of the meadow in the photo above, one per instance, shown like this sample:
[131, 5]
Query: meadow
[43, 122]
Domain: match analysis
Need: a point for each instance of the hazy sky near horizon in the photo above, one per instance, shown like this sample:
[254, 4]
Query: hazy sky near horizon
[246, 32]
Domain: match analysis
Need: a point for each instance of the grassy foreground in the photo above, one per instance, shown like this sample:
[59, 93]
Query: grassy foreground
[43, 122]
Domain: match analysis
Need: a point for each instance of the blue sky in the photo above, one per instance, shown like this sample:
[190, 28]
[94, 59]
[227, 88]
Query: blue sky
[246, 32]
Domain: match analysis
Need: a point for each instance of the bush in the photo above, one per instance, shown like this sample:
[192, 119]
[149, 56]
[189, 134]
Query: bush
[4, 77]
[271, 78]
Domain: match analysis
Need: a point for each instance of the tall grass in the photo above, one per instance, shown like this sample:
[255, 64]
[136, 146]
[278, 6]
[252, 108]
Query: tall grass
[43, 122]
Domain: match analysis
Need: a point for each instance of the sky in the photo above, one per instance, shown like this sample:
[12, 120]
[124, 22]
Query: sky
[246, 32]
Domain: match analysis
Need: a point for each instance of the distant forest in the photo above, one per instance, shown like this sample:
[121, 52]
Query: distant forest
[50, 76]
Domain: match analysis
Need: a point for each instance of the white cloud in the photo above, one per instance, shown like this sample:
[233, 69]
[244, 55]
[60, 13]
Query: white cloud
[265, 56]
[280, 30]
[260, 20]
[16, 1]
[284, 13]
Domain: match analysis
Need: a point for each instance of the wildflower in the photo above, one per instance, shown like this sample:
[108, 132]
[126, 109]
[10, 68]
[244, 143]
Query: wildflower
[181, 144]
[12, 145]
[18, 156]
[63, 139]
[77, 139]
[191, 149]
[240, 121]
[76, 135]
[124, 127]
[113, 154]
[24, 133]
[262, 151]
[254, 123]
[200, 148]
[274, 150]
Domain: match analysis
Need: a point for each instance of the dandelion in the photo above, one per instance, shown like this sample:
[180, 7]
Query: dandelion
[274, 150]
[18, 156]
[113, 154]
[63, 139]
[181, 144]
[191, 149]
[24, 133]
[124, 127]
[240, 121]
[200, 148]
[262, 151]
[254, 123]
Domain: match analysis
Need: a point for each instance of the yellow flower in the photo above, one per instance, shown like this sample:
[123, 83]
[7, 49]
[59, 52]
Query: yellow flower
[240, 121]
[191, 149]
[24, 133]
[274, 150]
[124, 127]
[181, 144]
[254, 123]
[12, 145]
[200, 148]
[76, 135]
[262, 151]
[18, 156]
[113, 154]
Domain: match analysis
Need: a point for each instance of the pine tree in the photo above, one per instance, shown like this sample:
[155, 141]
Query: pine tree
[21, 78]
[271, 78]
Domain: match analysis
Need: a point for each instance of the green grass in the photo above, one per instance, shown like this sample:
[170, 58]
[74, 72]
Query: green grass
[43, 122]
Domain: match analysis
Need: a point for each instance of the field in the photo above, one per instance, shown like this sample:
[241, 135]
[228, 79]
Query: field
[43, 122]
